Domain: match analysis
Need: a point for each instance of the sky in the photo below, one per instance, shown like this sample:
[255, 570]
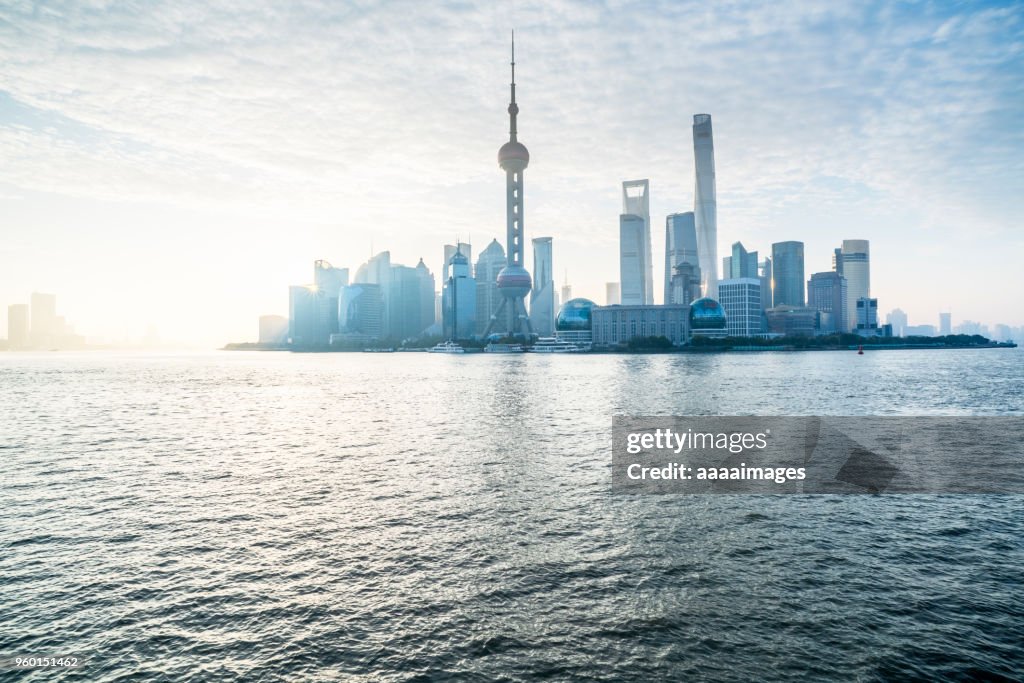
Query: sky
[178, 165]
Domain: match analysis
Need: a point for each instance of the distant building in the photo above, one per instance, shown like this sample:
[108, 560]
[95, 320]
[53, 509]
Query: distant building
[765, 275]
[611, 294]
[686, 284]
[459, 300]
[574, 322]
[465, 249]
[919, 331]
[410, 301]
[792, 321]
[898, 319]
[741, 300]
[310, 318]
[680, 247]
[488, 297]
[18, 330]
[788, 274]
[542, 296]
[361, 313]
[44, 320]
[615, 325]
[945, 323]
[867, 313]
[329, 281]
[273, 329]
[705, 203]
[741, 263]
[636, 273]
[853, 262]
[826, 293]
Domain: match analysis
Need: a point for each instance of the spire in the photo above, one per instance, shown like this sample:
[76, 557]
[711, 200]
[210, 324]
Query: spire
[513, 108]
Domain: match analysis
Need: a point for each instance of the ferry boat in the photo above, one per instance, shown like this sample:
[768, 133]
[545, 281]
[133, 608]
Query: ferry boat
[552, 345]
[447, 347]
[494, 347]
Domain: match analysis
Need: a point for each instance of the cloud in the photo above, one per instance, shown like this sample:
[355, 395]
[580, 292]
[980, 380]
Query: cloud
[389, 114]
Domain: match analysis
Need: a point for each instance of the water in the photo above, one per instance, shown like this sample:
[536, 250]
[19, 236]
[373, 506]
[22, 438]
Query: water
[274, 516]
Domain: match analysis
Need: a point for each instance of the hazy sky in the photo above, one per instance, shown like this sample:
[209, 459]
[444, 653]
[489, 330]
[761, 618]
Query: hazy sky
[181, 164]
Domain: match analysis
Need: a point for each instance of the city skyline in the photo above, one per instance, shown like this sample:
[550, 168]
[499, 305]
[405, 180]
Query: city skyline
[199, 213]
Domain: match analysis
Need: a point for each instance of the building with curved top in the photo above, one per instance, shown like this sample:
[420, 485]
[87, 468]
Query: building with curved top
[707, 318]
[574, 320]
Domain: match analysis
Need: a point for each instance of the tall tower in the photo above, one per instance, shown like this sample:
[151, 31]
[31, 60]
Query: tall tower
[855, 257]
[705, 206]
[513, 280]
[636, 271]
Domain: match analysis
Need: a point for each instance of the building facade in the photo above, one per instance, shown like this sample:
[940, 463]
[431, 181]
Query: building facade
[686, 284]
[853, 261]
[826, 293]
[680, 246]
[867, 313]
[792, 321]
[612, 296]
[616, 325]
[741, 300]
[705, 203]
[636, 273]
[542, 296]
[788, 274]
[740, 263]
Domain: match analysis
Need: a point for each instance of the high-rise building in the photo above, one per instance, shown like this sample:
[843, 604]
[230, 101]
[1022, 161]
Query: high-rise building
[465, 249]
[898, 320]
[741, 300]
[310, 317]
[611, 294]
[636, 272]
[18, 330]
[460, 300]
[740, 263]
[705, 205]
[566, 290]
[542, 298]
[361, 313]
[514, 280]
[43, 319]
[853, 262]
[788, 274]
[867, 311]
[945, 323]
[826, 293]
[410, 301]
[329, 280]
[680, 246]
[765, 275]
[685, 284]
[488, 298]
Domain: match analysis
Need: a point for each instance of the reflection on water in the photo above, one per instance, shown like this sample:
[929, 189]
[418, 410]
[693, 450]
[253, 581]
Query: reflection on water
[383, 516]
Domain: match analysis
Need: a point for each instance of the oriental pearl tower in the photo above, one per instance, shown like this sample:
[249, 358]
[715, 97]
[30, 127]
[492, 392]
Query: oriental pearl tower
[514, 279]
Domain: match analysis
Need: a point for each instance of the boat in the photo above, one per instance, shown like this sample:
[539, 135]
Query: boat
[494, 347]
[552, 345]
[448, 347]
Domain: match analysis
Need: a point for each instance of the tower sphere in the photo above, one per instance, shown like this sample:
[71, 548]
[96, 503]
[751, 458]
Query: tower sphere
[513, 156]
[514, 282]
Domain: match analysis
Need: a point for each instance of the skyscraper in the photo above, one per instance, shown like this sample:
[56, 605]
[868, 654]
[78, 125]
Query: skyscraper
[459, 300]
[765, 274]
[854, 263]
[705, 206]
[466, 250]
[680, 246]
[329, 281]
[945, 323]
[788, 274]
[542, 298]
[43, 319]
[636, 272]
[741, 263]
[488, 298]
[685, 284]
[898, 320]
[514, 280]
[17, 326]
[611, 294]
[826, 293]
